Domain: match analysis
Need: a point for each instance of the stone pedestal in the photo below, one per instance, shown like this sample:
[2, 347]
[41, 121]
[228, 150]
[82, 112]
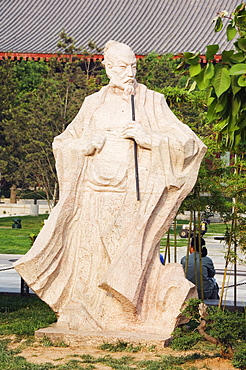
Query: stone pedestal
[76, 338]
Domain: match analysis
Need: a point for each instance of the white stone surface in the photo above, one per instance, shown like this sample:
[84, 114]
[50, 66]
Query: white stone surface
[96, 260]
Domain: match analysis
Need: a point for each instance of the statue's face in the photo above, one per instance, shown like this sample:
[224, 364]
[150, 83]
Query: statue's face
[122, 69]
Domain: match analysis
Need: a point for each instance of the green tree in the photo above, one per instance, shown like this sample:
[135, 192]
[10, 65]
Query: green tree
[39, 115]
[158, 71]
[8, 92]
[225, 85]
[225, 82]
[29, 74]
[46, 97]
[226, 100]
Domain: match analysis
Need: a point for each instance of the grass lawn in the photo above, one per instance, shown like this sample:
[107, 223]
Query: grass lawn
[23, 315]
[215, 228]
[17, 241]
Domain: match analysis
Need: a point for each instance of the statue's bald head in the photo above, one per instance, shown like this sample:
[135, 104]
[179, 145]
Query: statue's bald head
[120, 65]
[113, 49]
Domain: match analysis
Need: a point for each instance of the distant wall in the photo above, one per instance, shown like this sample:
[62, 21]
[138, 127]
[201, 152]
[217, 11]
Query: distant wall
[23, 207]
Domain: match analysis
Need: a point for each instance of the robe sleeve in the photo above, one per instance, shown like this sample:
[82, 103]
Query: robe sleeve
[181, 150]
[67, 150]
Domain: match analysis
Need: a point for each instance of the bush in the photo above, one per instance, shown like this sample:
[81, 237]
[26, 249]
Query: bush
[224, 328]
[183, 339]
[239, 359]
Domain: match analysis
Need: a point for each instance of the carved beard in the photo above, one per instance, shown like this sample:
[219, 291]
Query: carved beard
[128, 90]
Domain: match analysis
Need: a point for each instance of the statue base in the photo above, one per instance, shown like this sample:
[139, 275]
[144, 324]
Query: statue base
[166, 294]
[77, 338]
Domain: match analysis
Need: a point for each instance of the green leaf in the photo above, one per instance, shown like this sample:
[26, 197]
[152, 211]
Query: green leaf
[242, 43]
[243, 33]
[242, 80]
[195, 55]
[222, 125]
[188, 55]
[210, 100]
[202, 83]
[238, 69]
[237, 58]
[209, 71]
[236, 104]
[193, 86]
[211, 115]
[194, 59]
[232, 124]
[237, 47]
[180, 66]
[234, 20]
[211, 51]
[234, 85]
[195, 69]
[226, 55]
[237, 139]
[221, 81]
[231, 32]
[221, 103]
[239, 8]
[241, 21]
[218, 25]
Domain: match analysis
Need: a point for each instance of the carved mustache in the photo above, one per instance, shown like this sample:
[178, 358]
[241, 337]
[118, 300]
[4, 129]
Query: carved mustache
[128, 81]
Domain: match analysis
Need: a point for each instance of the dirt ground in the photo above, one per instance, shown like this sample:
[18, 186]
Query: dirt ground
[38, 354]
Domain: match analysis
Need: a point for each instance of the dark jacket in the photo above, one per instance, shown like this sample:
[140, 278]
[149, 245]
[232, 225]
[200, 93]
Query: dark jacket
[208, 273]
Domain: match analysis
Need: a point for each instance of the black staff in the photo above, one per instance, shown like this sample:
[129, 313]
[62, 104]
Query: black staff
[135, 152]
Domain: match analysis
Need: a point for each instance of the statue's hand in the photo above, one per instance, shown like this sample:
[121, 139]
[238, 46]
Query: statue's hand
[135, 131]
[96, 144]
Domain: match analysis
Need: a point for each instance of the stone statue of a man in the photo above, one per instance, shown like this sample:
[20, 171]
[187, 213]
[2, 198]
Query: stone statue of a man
[96, 260]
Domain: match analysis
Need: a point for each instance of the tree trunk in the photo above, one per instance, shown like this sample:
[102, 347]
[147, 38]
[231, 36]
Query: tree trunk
[13, 196]
[201, 329]
[226, 351]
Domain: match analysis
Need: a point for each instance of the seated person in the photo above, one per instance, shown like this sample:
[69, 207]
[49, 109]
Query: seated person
[210, 287]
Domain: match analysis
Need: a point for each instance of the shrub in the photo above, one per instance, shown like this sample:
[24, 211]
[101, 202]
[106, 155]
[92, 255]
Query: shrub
[183, 339]
[223, 328]
[239, 359]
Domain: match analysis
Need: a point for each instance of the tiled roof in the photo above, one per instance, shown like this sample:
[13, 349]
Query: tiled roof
[146, 25]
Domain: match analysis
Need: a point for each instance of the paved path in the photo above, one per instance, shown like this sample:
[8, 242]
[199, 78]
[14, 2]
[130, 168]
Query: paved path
[10, 280]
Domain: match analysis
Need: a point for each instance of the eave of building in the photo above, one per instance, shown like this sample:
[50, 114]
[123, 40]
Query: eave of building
[69, 57]
[48, 56]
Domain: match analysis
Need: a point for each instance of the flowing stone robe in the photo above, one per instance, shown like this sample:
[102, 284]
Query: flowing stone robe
[96, 260]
